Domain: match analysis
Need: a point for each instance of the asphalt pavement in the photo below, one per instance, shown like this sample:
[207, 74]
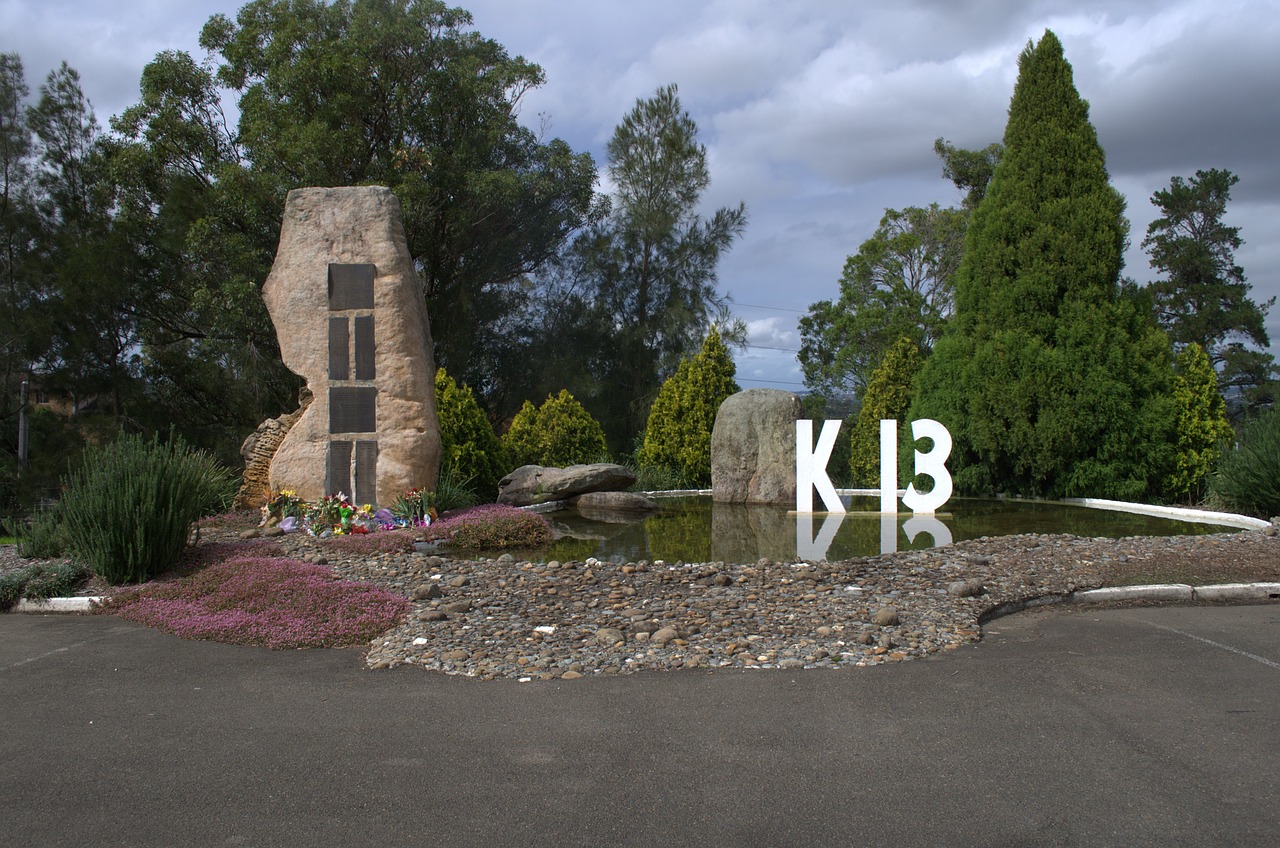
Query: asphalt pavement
[1081, 726]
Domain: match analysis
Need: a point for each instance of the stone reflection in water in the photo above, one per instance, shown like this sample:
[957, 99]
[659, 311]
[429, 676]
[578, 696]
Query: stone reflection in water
[748, 532]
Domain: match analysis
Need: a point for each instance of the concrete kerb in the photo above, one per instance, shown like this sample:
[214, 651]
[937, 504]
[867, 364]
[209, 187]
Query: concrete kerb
[1171, 593]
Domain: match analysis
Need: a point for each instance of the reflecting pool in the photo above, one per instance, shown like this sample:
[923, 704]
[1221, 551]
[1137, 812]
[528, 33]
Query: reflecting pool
[693, 529]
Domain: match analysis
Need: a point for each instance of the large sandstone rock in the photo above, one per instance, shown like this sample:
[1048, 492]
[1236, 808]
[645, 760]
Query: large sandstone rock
[259, 449]
[753, 448]
[535, 484]
[348, 310]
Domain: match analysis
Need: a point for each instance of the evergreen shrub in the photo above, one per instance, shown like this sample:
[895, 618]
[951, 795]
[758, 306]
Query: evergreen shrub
[43, 538]
[1202, 430]
[129, 509]
[468, 445]
[678, 434]
[557, 434]
[888, 395]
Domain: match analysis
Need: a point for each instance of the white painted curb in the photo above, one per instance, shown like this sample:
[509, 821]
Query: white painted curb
[1157, 592]
[1238, 591]
[56, 605]
[1199, 516]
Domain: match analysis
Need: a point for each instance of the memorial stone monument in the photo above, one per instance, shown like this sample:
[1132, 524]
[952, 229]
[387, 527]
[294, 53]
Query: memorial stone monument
[348, 309]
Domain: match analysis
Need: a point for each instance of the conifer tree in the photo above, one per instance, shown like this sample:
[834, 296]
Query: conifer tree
[678, 435]
[1049, 380]
[1203, 430]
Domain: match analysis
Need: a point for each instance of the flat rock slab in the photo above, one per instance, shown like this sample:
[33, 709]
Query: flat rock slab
[535, 484]
[614, 507]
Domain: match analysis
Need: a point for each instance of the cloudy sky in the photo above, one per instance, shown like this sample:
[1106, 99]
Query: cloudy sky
[819, 114]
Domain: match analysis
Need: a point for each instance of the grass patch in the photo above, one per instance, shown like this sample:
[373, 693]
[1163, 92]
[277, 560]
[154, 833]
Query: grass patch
[489, 527]
[41, 582]
[269, 602]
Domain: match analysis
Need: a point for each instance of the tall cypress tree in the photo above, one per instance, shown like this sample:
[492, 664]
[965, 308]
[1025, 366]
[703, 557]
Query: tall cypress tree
[1051, 382]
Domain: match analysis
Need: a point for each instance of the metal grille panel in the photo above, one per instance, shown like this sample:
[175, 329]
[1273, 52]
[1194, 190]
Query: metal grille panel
[353, 409]
[351, 286]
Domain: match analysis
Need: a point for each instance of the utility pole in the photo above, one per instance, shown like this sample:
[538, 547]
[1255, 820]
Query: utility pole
[24, 444]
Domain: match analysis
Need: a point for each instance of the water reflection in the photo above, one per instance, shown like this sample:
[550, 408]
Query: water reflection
[693, 529]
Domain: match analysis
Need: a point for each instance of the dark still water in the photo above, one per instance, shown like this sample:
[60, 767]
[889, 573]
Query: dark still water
[693, 529]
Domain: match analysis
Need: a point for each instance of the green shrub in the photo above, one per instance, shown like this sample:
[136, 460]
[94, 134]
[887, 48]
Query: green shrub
[468, 445]
[678, 433]
[557, 434]
[128, 511]
[11, 585]
[1248, 479]
[43, 538]
[53, 581]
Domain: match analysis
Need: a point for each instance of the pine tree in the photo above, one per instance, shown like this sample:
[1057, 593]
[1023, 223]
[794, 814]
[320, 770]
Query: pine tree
[1050, 381]
[678, 435]
[888, 395]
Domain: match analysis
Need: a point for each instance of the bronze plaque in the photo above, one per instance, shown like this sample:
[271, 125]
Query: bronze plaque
[338, 478]
[364, 347]
[339, 349]
[351, 286]
[366, 472]
[353, 409]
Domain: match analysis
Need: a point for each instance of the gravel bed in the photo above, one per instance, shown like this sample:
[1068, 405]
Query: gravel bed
[505, 618]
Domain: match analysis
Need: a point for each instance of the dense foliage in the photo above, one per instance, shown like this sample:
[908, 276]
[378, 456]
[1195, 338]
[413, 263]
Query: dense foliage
[1050, 381]
[557, 434]
[1248, 479]
[678, 435]
[888, 395]
[130, 508]
[468, 446]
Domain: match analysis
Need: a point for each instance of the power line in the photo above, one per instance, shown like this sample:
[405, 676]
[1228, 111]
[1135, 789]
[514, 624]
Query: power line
[778, 382]
[766, 347]
[774, 308]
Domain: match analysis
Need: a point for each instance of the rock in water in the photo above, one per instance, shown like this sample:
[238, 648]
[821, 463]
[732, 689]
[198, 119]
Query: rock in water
[614, 507]
[347, 305]
[753, 448]
[535, 484]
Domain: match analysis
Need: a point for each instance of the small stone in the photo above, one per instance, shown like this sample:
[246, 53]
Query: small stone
[433, 615]
[453, 656]
[722, 580]
[791, 662]
[571, 675]
[433, 563]
[427, 592]
[608, 636]
[457, 607]
[885, 617]
[824, 632]
[965, 588]
[251, 533]
[272, 532]
[506, 559]
[460, 582]
[663, 636]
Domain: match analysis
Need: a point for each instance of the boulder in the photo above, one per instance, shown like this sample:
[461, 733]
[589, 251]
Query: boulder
[753, 448]
[535, 484]
[347, 305]
[614, 507]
